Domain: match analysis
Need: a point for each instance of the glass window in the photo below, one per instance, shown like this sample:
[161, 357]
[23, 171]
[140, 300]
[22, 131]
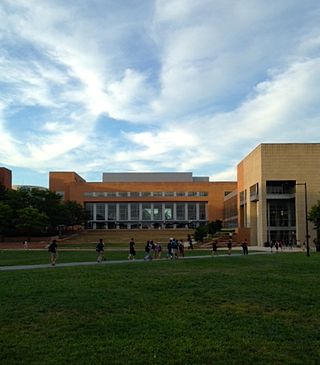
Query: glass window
[112, 212]
[111, 194]
[192, 211]
[157, 211]
[122, 194]
[157, 193]
[192, 193]
[100, 211]
[89, 209]
[123, 211]
[180, 193]
[146, 193]
[181, 211]
[168, 193]
[168, 211]
[88, 194]
[204, 193]
[134, 210]
[146, 211]
[202, 211]
[134, 193]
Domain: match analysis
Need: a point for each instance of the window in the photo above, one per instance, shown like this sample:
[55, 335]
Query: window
[146, 193]
[180, 193]
[134, 210]
[122, 194]
[157, 211]
[111, 194]
[146, 212]
[134, 194]
[192, 193]
[168, 193]
[157, 193]
[100, 211]
[192, 211]
[112, 212]
[204, 193]
[202, 211]
[88, 194]
[123, 211]
[89, 209]
[168, 211]
[181, 211]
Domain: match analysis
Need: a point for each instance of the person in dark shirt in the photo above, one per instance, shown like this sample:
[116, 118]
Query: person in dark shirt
[100, 250]
[132, 250]
[53, 252]
[214, 248]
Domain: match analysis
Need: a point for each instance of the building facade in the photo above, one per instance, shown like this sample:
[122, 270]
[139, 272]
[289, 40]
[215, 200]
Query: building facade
[6, 177]
[276, 185]
[145, 200]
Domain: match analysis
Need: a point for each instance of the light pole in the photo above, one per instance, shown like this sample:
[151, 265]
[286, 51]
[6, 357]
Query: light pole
[306, 213]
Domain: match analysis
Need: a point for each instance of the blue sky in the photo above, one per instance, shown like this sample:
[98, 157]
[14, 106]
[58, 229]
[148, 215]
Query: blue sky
[169, 85]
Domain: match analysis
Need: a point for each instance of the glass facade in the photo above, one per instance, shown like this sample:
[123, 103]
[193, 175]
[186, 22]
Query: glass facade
[136, 214]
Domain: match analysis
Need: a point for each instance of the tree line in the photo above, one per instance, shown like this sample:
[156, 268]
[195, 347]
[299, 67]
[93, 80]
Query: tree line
[36, 212]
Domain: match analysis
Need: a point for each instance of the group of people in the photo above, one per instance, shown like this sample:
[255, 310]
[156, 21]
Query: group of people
[244, 246]
[175, 249]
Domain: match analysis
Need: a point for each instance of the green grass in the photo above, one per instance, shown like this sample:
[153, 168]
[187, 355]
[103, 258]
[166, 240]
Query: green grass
[230, 310]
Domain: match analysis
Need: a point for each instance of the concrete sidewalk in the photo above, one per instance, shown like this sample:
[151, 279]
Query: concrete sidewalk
[94, 263]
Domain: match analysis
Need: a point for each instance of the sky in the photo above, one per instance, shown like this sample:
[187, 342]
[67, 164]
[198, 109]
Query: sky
[97, 86]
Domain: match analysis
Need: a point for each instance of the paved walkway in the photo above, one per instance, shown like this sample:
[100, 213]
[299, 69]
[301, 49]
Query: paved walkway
[112, 262]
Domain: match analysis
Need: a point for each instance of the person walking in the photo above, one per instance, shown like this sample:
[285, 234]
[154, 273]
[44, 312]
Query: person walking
[181, 248]
[245, 247]
[100, 250]
[132, 250]
[214, 248]
[53, 252]
[229, 246]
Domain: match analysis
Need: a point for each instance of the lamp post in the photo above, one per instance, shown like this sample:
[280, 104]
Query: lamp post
[306, 217]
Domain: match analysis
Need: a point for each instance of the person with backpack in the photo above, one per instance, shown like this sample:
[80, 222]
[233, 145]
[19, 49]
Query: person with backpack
[53, 252]
[100, 250]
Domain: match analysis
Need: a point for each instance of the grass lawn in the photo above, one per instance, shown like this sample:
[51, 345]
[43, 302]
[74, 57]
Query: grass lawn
[229, 310]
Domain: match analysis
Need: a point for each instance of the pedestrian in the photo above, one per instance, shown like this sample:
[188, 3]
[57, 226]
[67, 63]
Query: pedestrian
[190, 242]
[53, 252]
[132, 250]
[277, 246]
[169, 247]
[245, 247]
[25, 244]
[214, 248]
[100, 250]
[147, 251]
[174, 248]
[158, 250]
[181, 248]
[229, 246]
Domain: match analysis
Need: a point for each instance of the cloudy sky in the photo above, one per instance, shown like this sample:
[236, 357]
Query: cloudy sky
[139, 85]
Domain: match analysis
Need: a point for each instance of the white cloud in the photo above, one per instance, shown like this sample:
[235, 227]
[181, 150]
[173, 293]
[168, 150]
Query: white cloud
[207, 80]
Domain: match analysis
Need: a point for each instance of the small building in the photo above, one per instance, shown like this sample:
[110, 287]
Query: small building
[6, 177]
[277, 183]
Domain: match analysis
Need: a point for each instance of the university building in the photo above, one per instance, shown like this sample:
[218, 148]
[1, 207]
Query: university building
[276, 185]
[145, 200]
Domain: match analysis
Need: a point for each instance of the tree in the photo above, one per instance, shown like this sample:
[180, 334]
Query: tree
[31, 220]
[214, 227]
[200, 233]
[314, 217]
[6, 216]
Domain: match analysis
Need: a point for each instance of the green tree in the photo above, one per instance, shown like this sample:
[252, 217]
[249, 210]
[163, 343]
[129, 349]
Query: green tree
[30, 220]
[6, 216]
[214, 227]
[200, 233]
[314, 217]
